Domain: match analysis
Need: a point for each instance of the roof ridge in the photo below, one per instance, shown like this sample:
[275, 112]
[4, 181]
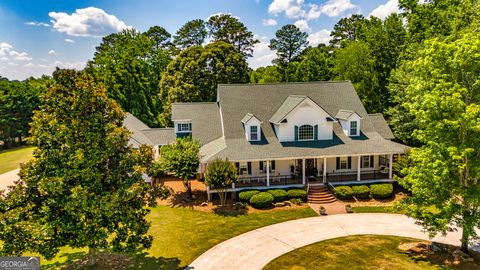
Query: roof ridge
[277, 83]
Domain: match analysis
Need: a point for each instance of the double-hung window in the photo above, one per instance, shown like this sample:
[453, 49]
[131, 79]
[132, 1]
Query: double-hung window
[184, 127]
[343, 163]
[353, 128]
[253, 133]
[366, 162]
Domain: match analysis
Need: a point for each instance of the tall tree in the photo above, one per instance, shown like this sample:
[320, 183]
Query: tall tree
[160, 37]
[347, 29]
[443, 95]
[194, 74]
[130, 64]
[227, 28]
[83, 187]
[289, 43]
[316, 65]
[193, 33]
[268, 74]
[182, 158]
[220, 175]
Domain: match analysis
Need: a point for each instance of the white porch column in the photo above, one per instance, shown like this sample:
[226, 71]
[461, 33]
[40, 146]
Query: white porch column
[303, 172]
[324, 170]
[156, 152]
[390, 166]
[268, 173]
[358, 167]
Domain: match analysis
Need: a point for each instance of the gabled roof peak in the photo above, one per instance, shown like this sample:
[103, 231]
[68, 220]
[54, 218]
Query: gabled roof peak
[345, 114]
[249, 116]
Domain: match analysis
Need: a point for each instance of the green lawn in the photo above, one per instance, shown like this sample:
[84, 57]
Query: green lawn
[181, 235]
[11, 159]
[361, 252]
[375, 209]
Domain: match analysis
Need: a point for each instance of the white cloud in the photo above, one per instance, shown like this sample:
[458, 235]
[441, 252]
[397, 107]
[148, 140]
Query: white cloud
[334, 8]
[382, 11]
[14, 71]
[297, 9]
[52, 52]
[86, 22]
[302, 25]
[7, 50]
[3, 58]
[269, 22]
[69, 40]
[322, 36]
[38, 24]
[262, 55]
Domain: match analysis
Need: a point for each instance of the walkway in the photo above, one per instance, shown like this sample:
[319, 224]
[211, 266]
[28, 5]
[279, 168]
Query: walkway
[254, 249]
[8, 178]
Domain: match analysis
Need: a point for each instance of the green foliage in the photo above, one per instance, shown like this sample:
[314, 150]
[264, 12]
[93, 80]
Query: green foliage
[343, 192]
[246, 195]
[297, 194]
[279, 195]
[227, 28]
[316, 65]
[192, 33]
[443, 96]
[361, 192]
[130, 64]
[221, 174]
[83, 187]
[381, 191]
[347, 29]
[289, 42]
[262, 200]
[268, 74]
[296, 201]
[194, 74]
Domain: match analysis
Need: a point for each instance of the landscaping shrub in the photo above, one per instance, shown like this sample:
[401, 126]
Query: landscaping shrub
[344, 192]
[381, 191]
[246, 195]
[261, 200]
[297, 194]
[361, 192]
[279, 195]
[296, 201]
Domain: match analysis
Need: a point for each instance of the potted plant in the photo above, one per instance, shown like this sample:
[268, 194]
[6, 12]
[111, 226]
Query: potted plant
[323, 211]
[348, 208]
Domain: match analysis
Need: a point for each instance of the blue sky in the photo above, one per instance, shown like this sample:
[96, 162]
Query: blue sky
[36, 36]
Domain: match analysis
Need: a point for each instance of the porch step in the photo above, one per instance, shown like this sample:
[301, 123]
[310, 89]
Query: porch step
[320, 194]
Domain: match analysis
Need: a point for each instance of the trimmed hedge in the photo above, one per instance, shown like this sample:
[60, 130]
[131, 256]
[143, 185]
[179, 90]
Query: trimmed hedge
[262, 200]
[297, 194]
[361, 192]
[381, 191]
[343, 192]
[279, 195]
[246, 195]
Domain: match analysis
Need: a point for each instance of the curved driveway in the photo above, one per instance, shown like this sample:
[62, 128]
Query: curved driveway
[254, 249]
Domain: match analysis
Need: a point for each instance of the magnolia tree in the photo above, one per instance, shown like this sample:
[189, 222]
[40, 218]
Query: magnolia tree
[182, 158]
[83, 187]
[220, 175]
[442, 93]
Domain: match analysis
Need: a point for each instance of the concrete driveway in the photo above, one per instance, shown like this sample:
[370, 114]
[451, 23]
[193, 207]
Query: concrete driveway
[7, 179]
[254, 249]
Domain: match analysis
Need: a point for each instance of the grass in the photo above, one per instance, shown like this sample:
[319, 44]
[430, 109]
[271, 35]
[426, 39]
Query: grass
[181, 235]
[11, 159]
[375, 209]
[363, 252]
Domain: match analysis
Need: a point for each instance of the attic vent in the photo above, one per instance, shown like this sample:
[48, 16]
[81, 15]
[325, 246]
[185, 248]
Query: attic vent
[284, 121]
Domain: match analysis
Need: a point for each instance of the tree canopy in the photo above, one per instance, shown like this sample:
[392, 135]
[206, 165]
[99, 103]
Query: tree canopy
[289, 43]
[220, 175]
[193, 33]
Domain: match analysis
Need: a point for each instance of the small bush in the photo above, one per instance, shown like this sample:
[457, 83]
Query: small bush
[279, 195]
[261, 200]
[296, 201]
[344, 192]
[381, 191]
[361, 192]
[297, 194]
[246, 195]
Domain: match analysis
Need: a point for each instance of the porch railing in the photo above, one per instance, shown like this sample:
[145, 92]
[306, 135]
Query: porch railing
[260, 181]
[352, 175]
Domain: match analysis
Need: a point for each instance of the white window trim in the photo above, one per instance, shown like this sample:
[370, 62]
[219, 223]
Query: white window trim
[313, 133]
[346, 164]
[350, 128]
[366, 158]
[189, 130]
[250, 134]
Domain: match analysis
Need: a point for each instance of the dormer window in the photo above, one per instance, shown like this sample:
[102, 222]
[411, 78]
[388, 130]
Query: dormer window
[184, 127]
[353, 128]
[305, 133]
[253, 133]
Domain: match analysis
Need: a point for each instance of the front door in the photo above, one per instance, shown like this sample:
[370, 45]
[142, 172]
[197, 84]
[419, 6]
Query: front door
[310, 167]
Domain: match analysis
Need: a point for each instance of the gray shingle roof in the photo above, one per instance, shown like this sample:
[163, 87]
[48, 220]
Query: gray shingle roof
[290, 103]
[160, 136]
[344, 114]
[247, 117]
[381, 126]
[205, 117]
[136, 126]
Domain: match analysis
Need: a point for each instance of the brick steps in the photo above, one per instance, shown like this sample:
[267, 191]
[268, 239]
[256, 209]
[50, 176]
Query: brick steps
[320, 195]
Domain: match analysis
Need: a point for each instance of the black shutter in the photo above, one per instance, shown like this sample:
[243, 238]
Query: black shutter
[260, 165]
[371, 162]
[296, 133]
[349, 163]
[237, 164]
[338, 163]
[273, 164]
[249, 167]
[361, 161]
[315, 132]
